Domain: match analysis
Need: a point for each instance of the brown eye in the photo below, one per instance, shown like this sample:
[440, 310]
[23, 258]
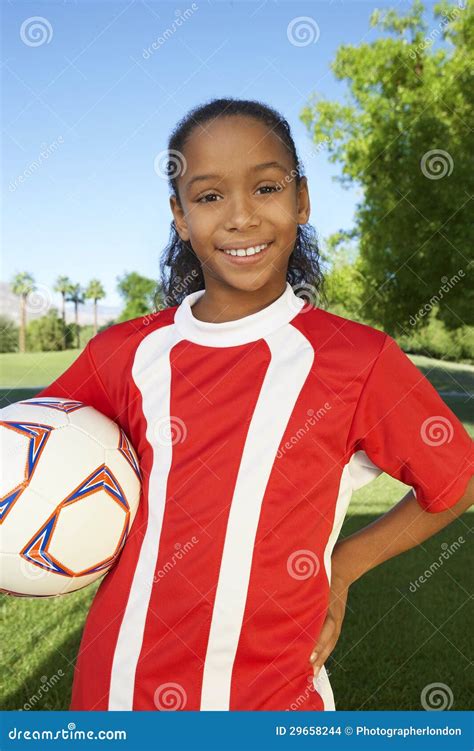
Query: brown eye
[272, 188]
[208, 195]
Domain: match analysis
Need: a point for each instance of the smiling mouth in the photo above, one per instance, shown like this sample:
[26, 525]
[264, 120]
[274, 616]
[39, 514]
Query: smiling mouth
[249, 252]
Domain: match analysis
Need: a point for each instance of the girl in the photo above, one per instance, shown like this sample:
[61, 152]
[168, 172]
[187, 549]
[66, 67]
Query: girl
[255, 415]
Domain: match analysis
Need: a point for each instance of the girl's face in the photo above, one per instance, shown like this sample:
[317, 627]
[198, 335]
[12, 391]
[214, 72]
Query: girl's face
[232, 197]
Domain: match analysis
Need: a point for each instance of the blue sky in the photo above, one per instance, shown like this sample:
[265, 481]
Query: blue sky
[99, 109]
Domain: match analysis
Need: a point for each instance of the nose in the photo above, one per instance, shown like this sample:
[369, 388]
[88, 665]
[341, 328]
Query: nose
[241, 213]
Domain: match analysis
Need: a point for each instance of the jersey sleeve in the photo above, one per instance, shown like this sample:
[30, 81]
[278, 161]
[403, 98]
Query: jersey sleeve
[82, 382]
[408, 431]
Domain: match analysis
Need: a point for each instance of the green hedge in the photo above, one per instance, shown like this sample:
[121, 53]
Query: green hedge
[435, 340]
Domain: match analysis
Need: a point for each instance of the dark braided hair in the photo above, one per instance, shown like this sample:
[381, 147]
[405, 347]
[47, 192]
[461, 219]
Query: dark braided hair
[185, 273]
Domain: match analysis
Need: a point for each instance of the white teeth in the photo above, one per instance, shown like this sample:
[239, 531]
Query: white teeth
[246, 251]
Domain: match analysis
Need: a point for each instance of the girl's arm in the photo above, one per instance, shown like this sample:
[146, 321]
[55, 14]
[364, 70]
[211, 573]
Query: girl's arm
[405, 526]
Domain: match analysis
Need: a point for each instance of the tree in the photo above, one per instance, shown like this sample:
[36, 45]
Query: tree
[46, 334]
[63, 286]
[22, 285]
[404, 137]
[76, 295]
[139, 295]
[94, 292]
[343, 282]
[8, 335]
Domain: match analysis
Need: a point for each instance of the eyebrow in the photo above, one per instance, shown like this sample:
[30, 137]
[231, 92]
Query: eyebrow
[254, 168]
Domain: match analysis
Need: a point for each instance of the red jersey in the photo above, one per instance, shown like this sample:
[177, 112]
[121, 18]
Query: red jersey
[252, 435]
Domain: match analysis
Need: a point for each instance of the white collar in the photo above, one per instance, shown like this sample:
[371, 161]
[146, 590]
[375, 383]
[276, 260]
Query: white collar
[242, 330]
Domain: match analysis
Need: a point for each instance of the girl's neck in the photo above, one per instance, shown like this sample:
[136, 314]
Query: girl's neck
[219, 304]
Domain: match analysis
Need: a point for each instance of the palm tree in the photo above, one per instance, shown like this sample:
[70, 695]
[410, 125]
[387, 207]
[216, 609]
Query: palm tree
[75, 294]
[63, 286]
[95, 292]
[22, 285]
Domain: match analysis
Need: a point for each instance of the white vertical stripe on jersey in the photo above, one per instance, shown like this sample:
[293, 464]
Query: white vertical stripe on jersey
[151, 372]
[359, 471]
[292, 356]
[323, 687]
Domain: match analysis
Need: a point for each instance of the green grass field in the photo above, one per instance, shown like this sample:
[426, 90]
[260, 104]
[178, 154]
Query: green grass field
[33, 368]
[394, 642]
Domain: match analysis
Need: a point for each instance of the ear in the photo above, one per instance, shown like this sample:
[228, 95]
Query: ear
[303, 202]
[179, 219]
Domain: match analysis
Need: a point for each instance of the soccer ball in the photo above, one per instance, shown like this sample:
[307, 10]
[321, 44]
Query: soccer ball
[69, 492]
